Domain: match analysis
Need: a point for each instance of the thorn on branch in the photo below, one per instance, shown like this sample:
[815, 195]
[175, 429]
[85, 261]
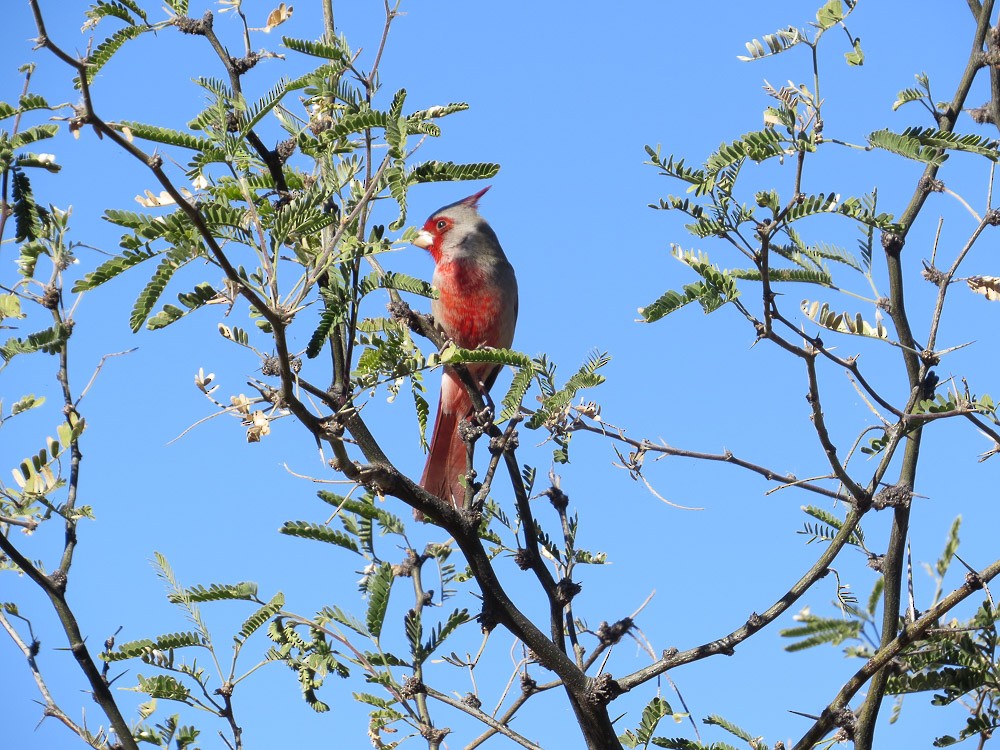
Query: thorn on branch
[892, 242]
[412, 686]
[523, 558]
[51, 297]
[928, 185]
[934, 275]
[433, 735]
[412, 562]
[847, 721]
[609, 635]
[471, 700]
[241, 65]
[982, 115]
[420, 323]
[558, 498]
[59, 580]
[285, 149]
[754, 622]
[488, 617]
[187, 25]
[528, 685]
[566, 589]
[893, 496]
[602, 690]
[876, 562]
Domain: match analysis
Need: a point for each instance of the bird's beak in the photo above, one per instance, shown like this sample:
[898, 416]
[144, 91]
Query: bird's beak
[423, 239]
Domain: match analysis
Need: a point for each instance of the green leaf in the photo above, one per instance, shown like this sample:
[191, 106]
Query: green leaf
[441, 110]
[121, 9]
[49, 341]
[379, 587]
[167, 136]
[164, 686]
[950, 548]
[333, 313]
[758, 146]
[830, 14]
[323, 49]
[146, 646]
[202, 295]
[264, 105]
[174, 259]
[262, 615]
[26, 402]
[438, 171]
[308, 530]
[405, 283]
[452, 354]
[907, 146]
[33, 135]
[716, 289]
[111, 268]
[585, 377]
[10, 306]
[396, 128]
[731, 728]
[515, 394]
[99, 57]
[29, 217]
[355, 122]
[856, 56]
[245, 591]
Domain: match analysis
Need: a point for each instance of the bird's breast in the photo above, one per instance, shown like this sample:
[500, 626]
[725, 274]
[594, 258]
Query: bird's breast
[475, 307]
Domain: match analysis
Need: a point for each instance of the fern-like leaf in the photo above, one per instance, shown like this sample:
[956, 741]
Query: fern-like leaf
[445, 171]
[202, 295]
[99, 57]
[905, 145]
[325, 50]
[164, 686]
[33, 135]
[167, 136]
[773, 44]
[379, 587]
[822, 315]
[515, 394]
[148, 297]
[244, 591]
[253, 623]
[308, 530]
[112, 268]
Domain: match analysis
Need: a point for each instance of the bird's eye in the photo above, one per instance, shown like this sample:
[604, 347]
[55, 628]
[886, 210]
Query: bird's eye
[441, 225]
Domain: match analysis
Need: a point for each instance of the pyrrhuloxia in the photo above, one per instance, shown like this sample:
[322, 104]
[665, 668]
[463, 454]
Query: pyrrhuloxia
[477, 306]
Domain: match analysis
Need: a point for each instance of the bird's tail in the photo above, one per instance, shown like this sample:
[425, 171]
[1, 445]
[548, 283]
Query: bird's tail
[446, 460]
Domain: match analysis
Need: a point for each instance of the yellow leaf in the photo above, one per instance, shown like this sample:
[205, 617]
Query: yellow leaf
[988, 286]
[278, 16]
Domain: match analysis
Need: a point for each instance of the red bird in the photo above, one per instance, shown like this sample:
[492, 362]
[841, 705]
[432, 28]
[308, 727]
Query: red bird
[477, 306]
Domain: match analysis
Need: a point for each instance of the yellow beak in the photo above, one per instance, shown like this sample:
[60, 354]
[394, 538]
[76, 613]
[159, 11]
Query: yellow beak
[424, 239]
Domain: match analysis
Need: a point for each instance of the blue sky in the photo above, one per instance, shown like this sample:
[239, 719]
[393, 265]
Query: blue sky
[564, 98]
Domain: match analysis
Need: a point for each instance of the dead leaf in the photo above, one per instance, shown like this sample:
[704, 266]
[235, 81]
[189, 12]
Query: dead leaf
[988, 286]
[278, 16]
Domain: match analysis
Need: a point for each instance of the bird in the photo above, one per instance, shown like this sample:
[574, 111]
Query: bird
[476, 306]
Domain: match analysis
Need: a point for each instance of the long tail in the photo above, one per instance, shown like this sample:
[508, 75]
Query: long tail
[446, 460]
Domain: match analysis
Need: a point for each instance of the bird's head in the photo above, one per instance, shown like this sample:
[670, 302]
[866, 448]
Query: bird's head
[450, 225]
